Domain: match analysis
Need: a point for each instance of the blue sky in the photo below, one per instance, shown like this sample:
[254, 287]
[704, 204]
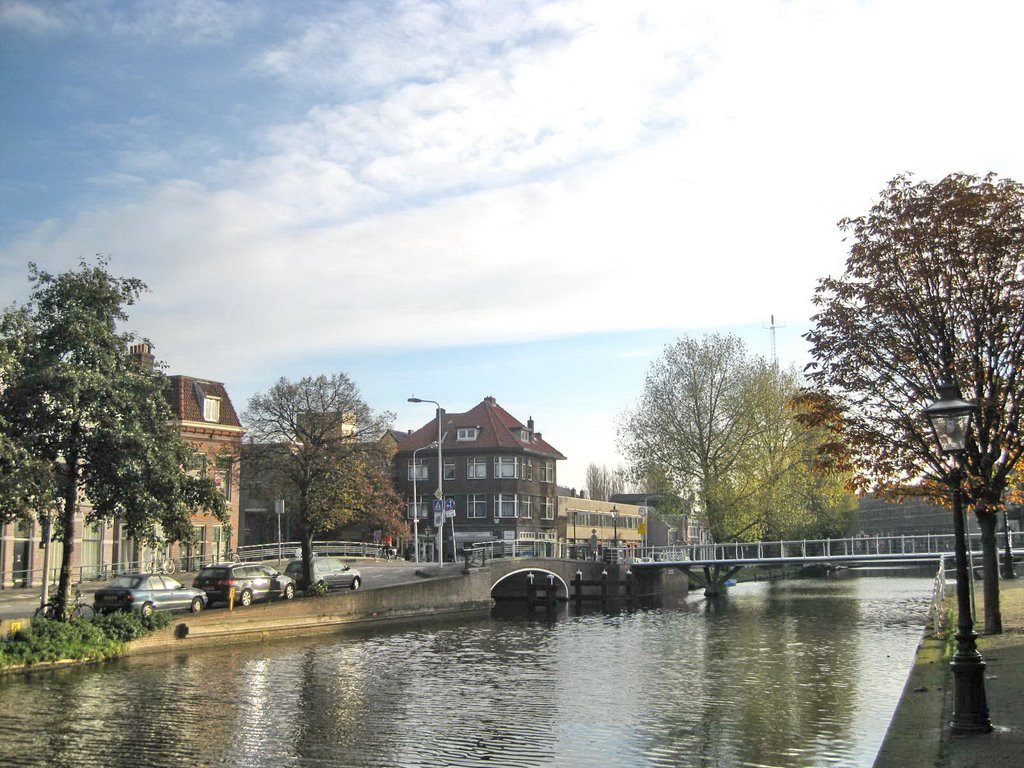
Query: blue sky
[460, 199]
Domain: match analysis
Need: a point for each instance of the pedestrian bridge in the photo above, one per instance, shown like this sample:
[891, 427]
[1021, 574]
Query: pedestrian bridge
[710, 565]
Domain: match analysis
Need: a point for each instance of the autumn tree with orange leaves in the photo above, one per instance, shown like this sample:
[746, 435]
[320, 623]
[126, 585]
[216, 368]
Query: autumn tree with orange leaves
[933, 289]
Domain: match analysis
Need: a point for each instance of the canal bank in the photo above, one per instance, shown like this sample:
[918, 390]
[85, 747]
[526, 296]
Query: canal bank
[918, 734]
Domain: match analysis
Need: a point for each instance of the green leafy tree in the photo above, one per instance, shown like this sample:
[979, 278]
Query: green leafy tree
[94, 429]
[933, 289]
[720, 427]
[316, 444]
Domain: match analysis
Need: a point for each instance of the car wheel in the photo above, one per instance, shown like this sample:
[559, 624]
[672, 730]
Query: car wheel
[245, 599]
[147, 610]
[355, 583]
[289, 591]
[197, 604]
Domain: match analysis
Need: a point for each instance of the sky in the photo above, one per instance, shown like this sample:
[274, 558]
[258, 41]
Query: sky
[453, 200]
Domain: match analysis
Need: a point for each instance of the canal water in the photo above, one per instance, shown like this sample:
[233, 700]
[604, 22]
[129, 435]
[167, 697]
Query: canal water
[803, 673]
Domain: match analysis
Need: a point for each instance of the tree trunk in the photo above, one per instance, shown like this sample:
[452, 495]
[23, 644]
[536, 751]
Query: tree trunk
[990, 560]
[66, 526]
[307, 558]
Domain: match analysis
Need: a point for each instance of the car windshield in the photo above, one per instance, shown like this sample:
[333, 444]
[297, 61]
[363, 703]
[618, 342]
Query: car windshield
[127, 582]
[294, 568]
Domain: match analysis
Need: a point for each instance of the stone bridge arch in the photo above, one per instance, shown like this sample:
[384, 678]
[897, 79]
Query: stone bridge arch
[509, 578]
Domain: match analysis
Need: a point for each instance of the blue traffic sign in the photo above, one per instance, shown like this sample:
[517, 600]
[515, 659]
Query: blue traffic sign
[449, 504]
[438, 505]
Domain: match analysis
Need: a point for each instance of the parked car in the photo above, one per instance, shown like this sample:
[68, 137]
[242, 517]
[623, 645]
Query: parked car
[251, 581]
[326, 570]
[148, 592]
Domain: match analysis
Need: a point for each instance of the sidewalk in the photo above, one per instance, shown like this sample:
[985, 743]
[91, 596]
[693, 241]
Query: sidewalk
[919, 732]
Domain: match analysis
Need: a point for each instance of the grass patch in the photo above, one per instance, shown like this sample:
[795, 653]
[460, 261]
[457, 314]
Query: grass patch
[103, 637]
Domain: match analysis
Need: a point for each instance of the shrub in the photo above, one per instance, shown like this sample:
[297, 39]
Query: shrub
[318, 589]
[101, 638]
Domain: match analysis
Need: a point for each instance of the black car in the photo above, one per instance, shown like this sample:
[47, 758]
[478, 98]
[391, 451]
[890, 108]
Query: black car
[333, 573]
[251, 581]
[148, 592]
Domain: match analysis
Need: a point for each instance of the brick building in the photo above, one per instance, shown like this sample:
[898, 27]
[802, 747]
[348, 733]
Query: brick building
[499, 472]
[208, 423]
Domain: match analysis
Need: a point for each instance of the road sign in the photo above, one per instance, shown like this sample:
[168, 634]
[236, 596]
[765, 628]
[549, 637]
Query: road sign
[438, 494]
[449, 505]
[438, 506]
[438, 512]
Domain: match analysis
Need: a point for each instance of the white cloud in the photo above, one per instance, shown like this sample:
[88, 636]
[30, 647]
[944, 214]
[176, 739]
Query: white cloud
[475, 172]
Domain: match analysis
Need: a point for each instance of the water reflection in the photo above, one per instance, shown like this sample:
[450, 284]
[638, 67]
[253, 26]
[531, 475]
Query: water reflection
[779, 674]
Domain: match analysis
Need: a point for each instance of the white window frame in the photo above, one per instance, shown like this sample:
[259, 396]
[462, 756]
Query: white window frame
[505, 505]
[410, 509]
[449, 469]
[547, 508]
[476, 505]
[421, 466]
[503, 463]
[528, 469]
[211, 408]
[526, 507]
[476, 468]
[467, 433]
[547, 471]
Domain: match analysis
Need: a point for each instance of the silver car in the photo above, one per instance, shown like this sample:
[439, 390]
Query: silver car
[329, 571]
[148, 592]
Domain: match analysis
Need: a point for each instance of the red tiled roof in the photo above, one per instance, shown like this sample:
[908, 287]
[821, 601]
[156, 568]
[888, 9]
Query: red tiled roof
[186, 397]
[495, 425]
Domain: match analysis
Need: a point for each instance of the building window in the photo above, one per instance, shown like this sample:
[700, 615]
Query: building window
[505, 467]
[196, 464]
[449, 469]
[467, 433]
[505, 505]
[521, 433]
[476, 505]
[527, 469]
[547, 509]
[417, 469]
[476, 469]
[424, 509]
[547, 471]
[211, 408]
[223, 476]
[526, 507]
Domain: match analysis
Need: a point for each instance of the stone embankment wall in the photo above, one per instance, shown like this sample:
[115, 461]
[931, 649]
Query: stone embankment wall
[449, 593]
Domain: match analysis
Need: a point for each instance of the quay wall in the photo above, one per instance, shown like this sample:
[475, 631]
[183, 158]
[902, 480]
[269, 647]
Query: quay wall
[443, 592]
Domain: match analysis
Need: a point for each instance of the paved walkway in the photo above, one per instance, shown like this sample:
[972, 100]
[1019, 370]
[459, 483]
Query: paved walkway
[919, 733]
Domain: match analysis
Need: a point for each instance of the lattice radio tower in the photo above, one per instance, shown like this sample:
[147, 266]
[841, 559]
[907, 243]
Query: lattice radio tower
[771, 330]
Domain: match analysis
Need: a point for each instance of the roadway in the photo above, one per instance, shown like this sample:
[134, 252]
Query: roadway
[22, 602]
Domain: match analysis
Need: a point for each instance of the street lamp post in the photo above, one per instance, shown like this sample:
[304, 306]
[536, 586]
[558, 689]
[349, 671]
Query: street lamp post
[416, 503]
[615, 528]
[440, 481]
[950, 419]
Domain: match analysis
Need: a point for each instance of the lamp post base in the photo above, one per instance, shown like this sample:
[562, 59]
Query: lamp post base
[970, 708]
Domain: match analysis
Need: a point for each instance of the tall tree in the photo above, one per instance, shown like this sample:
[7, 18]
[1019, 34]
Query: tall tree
[602, 482]
[720, 426]
[318, 447]
[933, 289]
[93, 427]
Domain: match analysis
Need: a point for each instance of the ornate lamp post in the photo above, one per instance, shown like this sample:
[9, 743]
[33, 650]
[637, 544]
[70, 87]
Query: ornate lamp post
[440, 480]
[950, 419]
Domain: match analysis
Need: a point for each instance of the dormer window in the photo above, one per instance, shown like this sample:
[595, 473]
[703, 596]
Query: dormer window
[521, 434]
[468, 433]
[211, 408]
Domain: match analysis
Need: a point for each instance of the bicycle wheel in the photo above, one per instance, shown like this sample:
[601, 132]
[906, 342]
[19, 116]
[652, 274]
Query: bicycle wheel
[83, 611]
[169, 566]
[48, 611]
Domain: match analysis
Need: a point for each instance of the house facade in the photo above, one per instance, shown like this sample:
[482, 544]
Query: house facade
[498, 478]
[207, 421]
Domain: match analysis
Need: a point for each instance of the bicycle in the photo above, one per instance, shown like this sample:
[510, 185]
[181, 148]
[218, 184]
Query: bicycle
[78, 610]
[161, 565]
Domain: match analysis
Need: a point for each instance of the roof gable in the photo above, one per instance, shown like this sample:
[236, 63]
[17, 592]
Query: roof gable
[186, 396]
[496, 432]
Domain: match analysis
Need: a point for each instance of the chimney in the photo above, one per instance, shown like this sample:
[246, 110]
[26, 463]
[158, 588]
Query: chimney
[490, 400]
[144, 354]
[529, 425]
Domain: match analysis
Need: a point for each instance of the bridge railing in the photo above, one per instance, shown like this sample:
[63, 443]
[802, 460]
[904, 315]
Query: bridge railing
[936, 544]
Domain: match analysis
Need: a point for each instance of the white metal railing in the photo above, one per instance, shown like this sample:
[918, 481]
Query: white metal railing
[926, 544]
